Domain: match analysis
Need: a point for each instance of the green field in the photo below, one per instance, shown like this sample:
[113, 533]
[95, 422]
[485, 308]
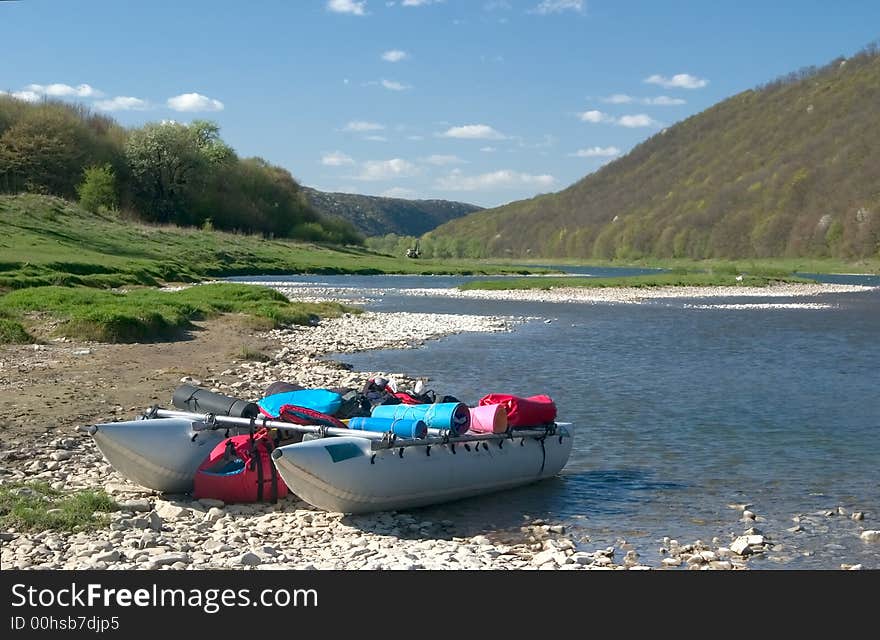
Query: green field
[147, 314]
[652, 280]
[49, 241]
[59, 262]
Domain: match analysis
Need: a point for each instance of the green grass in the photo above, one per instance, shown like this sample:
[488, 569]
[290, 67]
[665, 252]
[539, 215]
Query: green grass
[754, 266]
[38, 507]
[652, 280]
[46, 241]
[11, 332]
[146, 314]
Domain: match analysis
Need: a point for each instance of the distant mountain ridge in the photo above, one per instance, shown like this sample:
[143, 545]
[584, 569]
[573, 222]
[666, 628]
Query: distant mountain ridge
[378, 216]
[789, 169]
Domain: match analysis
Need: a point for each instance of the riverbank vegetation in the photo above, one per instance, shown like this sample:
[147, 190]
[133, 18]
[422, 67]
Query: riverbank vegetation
[163, 172]
[36, 506]
[672, 279]
[149, 314]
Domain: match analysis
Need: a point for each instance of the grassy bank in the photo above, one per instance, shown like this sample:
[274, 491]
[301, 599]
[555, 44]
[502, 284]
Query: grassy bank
[758, 266]
[652, 280]
[145, 314]
[37, 507]
[49, 241]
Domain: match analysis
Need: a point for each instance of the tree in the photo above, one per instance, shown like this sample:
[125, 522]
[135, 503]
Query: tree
[98, 189]
[169, 161]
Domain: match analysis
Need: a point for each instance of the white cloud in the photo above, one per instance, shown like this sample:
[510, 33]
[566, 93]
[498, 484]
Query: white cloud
[595, 116]
[419, 3]
[27, 96]
[664, 101]
[502, 179]
[558, 6]
[678, 81]
[618, 98]
[387, 169]
[473, 132]
[194, 102]
[488, 149]
[395, 55]
[354, 7]
[336, 159]
[415, 138]
[638, 120]
[58, 90]
[398, 192]
[443, 160]
[630, 121]
[376, 138]
[596, 152]
[122, 103]
[362, 125]
[393, 85]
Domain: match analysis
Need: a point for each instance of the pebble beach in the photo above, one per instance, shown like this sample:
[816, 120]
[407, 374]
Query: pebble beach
[152, 531]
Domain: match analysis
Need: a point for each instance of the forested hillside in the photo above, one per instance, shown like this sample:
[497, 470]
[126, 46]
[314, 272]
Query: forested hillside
[377, 216]
[791, 168]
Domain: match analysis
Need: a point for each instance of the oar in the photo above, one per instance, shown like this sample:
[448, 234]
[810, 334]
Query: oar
[260, 422]
[523, 432]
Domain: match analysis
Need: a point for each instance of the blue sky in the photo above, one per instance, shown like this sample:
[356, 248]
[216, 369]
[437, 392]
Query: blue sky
[484, 101]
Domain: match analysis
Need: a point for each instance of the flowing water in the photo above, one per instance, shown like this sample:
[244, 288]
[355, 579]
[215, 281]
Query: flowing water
[679, 408]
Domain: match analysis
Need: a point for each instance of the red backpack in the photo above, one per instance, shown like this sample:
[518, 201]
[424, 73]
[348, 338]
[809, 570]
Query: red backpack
[240, 469]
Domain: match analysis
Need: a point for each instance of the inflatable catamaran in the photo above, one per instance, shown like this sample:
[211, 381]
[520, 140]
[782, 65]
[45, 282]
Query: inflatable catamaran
[348, 468]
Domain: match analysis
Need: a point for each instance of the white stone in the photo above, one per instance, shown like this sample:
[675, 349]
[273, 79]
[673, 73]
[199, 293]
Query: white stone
[671, 562]
[171, 511]
[107, 556]
[872, 535]
[139, 505]
[544, 557]
[60, 456]
[170, 558]
[212, 502]
[740, 546]
[214, 514]
[857, 515]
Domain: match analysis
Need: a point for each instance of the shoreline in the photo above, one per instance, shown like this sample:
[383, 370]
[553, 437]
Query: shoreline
[584, 295]
[157, 532]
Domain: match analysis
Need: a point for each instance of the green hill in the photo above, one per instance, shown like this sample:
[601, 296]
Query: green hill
[45, 240]
[376, 216]
[789, 169]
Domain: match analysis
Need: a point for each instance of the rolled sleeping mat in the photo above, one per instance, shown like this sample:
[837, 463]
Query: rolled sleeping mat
[453, 416]
[188, 397]
[490, 418]
[400, 428]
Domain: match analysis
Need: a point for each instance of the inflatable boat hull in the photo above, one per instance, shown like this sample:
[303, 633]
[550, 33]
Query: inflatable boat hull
[345, 475]
[160, 454]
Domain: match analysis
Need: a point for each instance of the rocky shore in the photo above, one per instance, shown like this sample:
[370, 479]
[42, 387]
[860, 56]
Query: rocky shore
[174, 532]
[635, 295]
[607, 295]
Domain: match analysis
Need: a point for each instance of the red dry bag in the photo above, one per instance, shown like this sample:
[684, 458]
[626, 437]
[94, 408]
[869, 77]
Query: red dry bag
[524, 412]
[240, 469]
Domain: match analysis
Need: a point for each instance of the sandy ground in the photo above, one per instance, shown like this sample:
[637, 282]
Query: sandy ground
[57, 385]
